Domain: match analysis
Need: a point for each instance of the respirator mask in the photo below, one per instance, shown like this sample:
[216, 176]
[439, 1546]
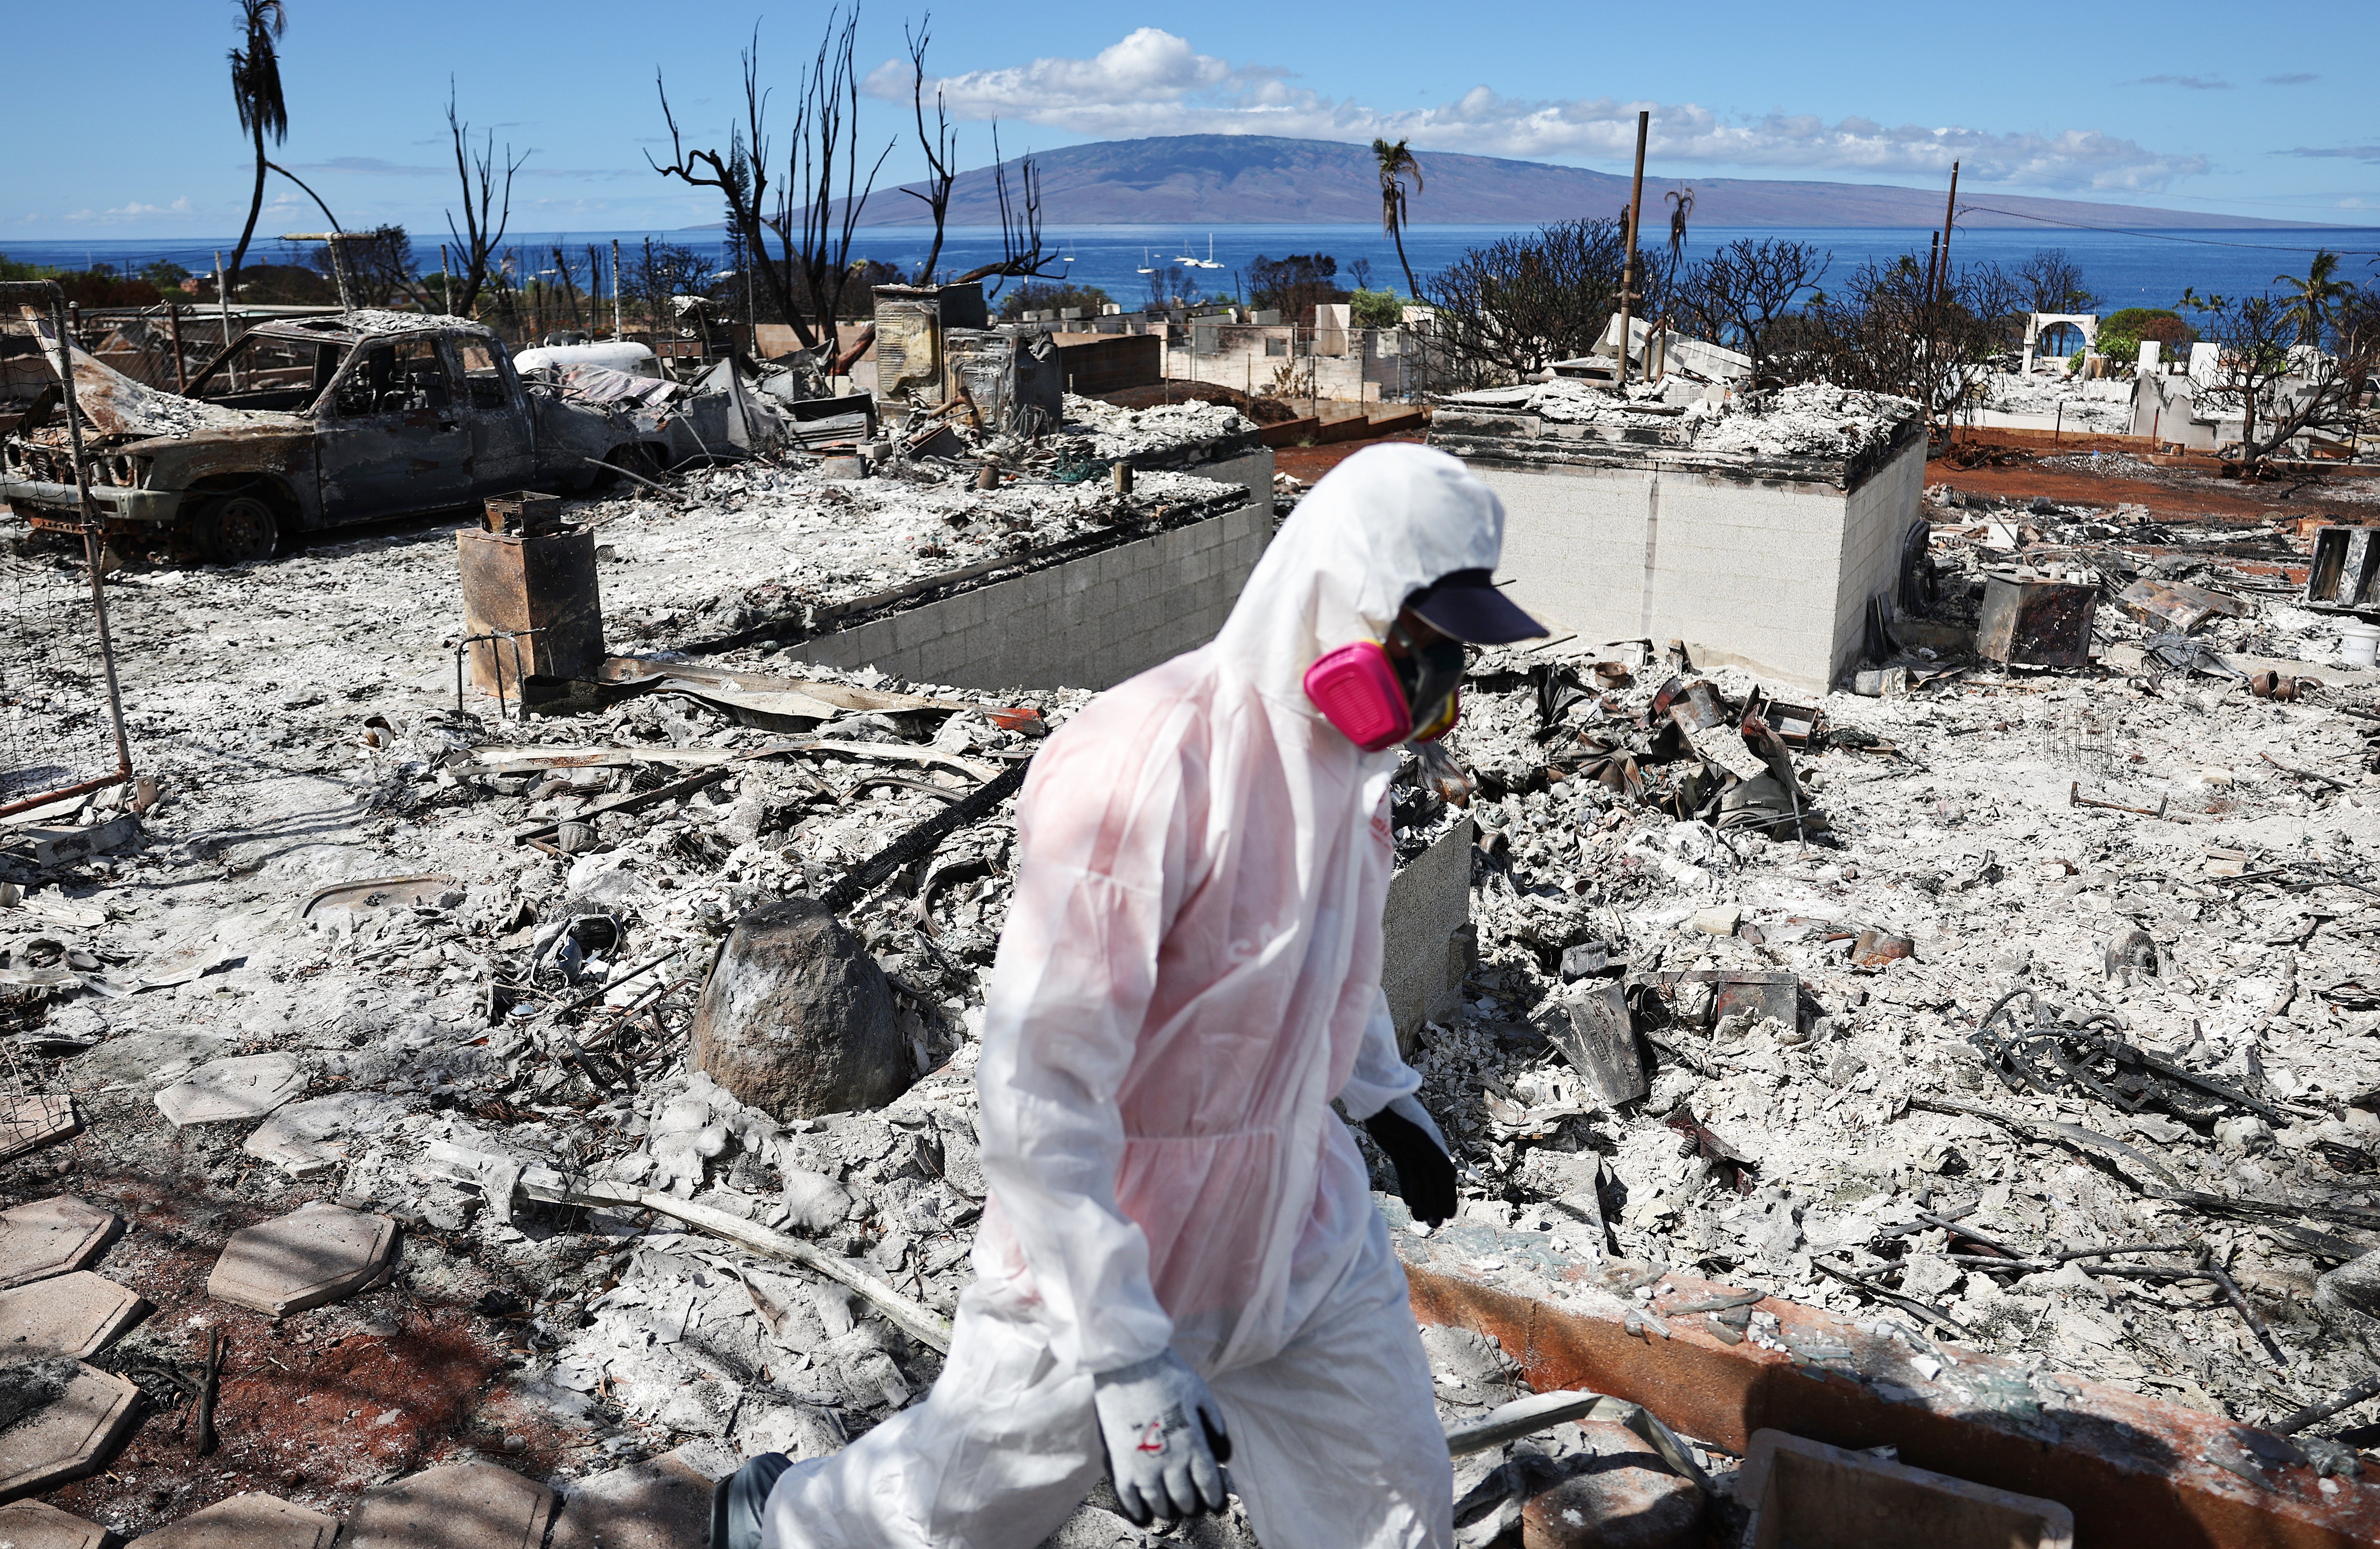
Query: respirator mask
[1379, 700]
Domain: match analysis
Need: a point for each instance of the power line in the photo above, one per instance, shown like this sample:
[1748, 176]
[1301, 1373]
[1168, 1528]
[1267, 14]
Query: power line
[2168, 237]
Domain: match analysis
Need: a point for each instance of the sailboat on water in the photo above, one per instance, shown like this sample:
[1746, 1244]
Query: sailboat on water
[1208, 262]
[1146, 267]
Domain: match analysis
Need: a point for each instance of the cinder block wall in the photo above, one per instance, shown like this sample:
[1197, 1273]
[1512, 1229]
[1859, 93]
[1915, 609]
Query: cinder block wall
[1088, 624]
[1770, 574]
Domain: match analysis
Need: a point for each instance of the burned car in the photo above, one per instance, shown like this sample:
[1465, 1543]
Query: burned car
[310, 424]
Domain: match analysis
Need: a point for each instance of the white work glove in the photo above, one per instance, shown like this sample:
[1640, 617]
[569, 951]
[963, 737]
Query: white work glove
[1165, 1439]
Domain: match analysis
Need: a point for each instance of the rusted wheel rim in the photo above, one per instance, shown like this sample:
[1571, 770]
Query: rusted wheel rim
[244, 530]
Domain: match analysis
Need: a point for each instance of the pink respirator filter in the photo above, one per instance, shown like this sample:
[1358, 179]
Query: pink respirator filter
[1357, 691]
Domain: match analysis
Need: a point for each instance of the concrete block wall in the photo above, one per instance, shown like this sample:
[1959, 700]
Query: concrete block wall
[1770, 574]
[1875, 522]
[1429, 943]
[1091, 623]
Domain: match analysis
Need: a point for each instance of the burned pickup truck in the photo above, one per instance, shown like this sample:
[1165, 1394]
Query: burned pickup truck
[310, 424]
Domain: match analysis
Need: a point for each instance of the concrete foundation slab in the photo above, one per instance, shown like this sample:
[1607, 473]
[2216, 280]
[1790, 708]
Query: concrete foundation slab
[462, 1505]
[31, 1525]
[30, 1122]
[313, 1255]
[662, 1502]
[77, 1315]
[247, 1522]
[71, 1437]
[248, 1087]
[52, 1236]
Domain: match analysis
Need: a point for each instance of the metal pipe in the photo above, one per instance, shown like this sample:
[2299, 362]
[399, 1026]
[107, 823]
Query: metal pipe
[92, 539]
[338, 260]
[617, 331]
[174, 330]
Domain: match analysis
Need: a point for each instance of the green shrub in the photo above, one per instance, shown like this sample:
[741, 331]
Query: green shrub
[2121, 334]
[1376, 309]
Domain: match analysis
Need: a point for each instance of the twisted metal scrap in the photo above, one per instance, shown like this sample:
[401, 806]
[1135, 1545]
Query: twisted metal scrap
[2052, 1056]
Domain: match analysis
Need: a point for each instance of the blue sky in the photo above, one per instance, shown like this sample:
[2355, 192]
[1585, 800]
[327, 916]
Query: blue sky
[2188, 105]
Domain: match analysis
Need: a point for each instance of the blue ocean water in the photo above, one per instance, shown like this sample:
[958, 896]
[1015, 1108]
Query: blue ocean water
[2125, 269]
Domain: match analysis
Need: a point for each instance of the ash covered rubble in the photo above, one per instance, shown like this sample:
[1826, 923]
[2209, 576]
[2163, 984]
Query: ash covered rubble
[1815, 420]
[494, 1047]
[1930, 1040]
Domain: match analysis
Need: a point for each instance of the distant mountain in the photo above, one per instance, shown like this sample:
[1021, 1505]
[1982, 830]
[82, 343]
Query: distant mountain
[1263, 180]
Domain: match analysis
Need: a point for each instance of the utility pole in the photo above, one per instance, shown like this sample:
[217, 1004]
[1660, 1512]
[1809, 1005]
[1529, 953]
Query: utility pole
[1628, 269]
[222, 311]
[1949, 218]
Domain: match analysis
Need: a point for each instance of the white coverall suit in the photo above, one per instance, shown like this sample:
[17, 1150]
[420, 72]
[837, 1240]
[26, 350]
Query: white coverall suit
[1189, 975]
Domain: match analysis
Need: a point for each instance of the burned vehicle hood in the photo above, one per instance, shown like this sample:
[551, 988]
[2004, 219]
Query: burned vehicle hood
[114, 407]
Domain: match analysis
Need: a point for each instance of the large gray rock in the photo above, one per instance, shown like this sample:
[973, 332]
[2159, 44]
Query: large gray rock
[797, 1019]
[2354, 1283]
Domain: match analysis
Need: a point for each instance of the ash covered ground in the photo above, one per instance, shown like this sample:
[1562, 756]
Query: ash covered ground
[299, 718]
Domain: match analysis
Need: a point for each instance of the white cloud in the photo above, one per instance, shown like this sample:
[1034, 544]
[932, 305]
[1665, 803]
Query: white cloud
[1155, 83]
[133, 211]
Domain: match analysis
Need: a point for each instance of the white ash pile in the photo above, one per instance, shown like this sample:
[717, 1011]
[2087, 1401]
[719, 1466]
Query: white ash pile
[754, 541]
[2071, 404]
[1123, 435]
[1816, 419]
[2180, 1104]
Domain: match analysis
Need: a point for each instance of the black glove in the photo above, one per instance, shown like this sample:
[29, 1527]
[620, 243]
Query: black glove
[1425, 1171]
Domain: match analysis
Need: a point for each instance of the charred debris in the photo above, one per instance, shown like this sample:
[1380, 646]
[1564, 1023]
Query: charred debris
[2018, 991]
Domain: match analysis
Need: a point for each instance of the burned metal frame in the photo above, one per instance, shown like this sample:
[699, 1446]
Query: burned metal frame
[2016, 1055]
[510, 639]
[94, 540]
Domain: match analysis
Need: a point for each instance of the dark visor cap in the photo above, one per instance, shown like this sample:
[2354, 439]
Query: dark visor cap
[1466, 605]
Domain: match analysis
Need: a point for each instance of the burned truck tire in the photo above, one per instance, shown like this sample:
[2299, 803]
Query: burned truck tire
[237, 529]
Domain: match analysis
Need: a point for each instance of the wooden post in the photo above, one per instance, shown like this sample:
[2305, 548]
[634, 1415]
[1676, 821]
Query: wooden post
[173, 327]
[1628, 268]
[1933, 262]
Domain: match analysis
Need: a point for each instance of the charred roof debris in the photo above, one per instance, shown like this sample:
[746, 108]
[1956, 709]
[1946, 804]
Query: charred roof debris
[567, 940]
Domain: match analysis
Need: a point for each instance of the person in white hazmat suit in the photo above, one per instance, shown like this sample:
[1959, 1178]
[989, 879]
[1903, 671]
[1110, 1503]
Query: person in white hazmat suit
[1180, 1264]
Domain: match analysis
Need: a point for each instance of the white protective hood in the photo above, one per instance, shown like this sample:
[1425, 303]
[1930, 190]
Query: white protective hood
[1190, 968]
[1378, 529]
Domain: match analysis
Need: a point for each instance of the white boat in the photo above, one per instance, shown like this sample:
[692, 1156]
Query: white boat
[1146, 267]
[1208, 262]
[1070, 254]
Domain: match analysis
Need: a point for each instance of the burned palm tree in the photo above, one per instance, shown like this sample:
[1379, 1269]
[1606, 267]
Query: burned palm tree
[1396, 163]
[256, 91]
